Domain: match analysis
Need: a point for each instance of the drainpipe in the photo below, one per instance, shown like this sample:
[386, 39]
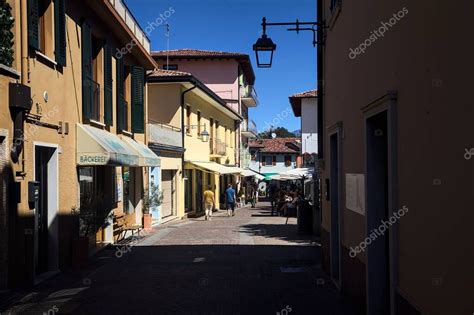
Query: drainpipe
[317, 204]
[18, 136]
[183, 95]
[320, 65]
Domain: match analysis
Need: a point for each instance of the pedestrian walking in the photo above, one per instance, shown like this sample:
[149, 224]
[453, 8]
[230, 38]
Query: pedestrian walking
[253, 195]
[230, 198]
[209, 202]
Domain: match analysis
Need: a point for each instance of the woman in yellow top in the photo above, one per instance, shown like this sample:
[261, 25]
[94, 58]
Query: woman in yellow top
[209, 202]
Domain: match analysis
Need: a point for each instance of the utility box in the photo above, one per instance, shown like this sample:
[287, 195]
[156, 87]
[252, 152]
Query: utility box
[20, 96]
[33, 192]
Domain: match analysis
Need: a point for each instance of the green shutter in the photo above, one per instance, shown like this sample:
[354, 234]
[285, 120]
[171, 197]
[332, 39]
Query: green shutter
[121, 124]
[138, 100]
[108, 85]
[87, 93]
[60, 32]
[33, 21]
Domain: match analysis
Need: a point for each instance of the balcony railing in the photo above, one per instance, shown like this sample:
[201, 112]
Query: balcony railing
[217, 147]
[95, 110]
[164, 134]
[249, 129]
[131, 22]
[249, 95]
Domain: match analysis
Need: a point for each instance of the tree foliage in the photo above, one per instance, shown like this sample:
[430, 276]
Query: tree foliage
[281, 132]
[6, 34]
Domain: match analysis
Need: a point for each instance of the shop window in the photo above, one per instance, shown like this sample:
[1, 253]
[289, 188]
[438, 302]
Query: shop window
[126, 177]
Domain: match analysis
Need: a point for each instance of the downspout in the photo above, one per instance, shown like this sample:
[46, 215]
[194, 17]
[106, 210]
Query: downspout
[24, 40]
[317, 186]
[183, 95]
[320, 96]
[18, 136]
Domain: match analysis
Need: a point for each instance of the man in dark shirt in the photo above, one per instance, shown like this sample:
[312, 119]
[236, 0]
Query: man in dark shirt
[230, 198]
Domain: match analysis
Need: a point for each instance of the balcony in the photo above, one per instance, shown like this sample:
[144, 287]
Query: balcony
[217, 147]
[249, 96]
[164, 135]
[131, 22]
[249, 129]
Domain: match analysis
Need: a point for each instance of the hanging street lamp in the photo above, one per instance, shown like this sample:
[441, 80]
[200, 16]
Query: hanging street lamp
[264, 46]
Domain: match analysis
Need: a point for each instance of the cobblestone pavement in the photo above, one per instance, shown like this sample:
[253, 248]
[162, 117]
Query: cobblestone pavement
[252, 263]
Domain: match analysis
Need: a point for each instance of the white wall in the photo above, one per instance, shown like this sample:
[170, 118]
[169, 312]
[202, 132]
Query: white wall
[309, 125]
[279, 167]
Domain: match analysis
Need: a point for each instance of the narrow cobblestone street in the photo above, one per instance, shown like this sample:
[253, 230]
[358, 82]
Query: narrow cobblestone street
[252, 263]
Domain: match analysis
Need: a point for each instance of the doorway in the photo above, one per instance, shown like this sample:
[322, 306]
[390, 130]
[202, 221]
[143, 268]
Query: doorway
[199, 191]
[168, 187]
[335, 242]
[378, 253]
[46, 209]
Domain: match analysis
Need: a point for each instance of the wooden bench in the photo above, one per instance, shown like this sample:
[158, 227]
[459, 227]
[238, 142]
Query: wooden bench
[122, 226]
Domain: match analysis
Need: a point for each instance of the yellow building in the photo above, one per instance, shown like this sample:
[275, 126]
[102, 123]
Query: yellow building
[184, 113]
[71, 127]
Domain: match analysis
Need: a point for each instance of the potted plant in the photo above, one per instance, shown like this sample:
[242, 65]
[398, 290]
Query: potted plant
[93, 214]
[152, 198]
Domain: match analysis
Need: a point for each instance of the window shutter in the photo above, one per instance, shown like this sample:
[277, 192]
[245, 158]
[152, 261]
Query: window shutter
[108, 85]
[138, 100]
[87, 93]
[120, 97]
[274, 160]
[60, 32]
[33, 21]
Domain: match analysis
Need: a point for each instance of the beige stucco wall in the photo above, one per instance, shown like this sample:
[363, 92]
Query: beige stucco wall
[195, 148]
[63, 86]
[428, 64]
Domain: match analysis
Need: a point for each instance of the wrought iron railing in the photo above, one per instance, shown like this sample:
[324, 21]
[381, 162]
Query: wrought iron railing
[217, 147]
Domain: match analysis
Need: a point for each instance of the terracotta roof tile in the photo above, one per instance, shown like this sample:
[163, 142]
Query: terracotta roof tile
[187, 52]
[306, 94]
[295, 100]
[168, 73]
[277, 145]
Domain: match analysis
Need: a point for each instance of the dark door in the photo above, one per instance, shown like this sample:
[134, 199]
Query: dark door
[334, 197]
[199, 191]
[188, 198]
[377, 211]
[42, 157]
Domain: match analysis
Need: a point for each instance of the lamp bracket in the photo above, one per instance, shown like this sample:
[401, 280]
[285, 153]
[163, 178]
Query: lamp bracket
[298, 28]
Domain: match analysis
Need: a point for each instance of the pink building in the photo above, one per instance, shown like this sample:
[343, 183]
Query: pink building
[229, 75]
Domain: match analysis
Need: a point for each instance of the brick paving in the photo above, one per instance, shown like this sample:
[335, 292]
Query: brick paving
[248, 264]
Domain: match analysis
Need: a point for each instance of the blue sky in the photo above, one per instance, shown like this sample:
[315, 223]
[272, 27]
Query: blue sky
[234, 26]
